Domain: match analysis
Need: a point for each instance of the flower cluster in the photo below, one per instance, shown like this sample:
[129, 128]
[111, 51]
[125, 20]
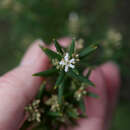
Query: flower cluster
[112, 43]
[80, 93]
[53, 102]
[33, 111]
[67, 63]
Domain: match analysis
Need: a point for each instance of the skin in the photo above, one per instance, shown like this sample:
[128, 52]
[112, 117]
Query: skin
[18, 88]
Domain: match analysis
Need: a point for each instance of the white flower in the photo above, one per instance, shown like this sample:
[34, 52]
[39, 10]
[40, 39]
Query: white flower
[67, 63]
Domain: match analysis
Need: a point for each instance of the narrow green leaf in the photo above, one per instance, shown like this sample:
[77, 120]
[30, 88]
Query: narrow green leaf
[82, 105]
[76, 71]
[73, 114]
[60, 93]
[26, 125]
[89, 72]
[48, 72]
[58, 47]
[83, 115]
[80, 78]
[41, 91]
[92, 95]
[51, 54]
[68, 94]
[54, 114]
[38, 126]
[72, 47]
[87, 50]
[85, 80]
[60, 79]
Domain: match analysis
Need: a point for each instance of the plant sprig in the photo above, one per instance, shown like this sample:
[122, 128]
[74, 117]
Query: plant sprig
[59, 103]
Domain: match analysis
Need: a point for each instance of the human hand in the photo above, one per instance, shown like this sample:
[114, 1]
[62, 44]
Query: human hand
[18, 87]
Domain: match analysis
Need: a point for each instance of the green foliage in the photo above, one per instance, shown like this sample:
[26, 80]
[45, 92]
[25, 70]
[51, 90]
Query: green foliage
[54, 114]
[61, 93]
[51, 54]
[60, 79]
[58, 47]
[122, 115]
[41, 91]
[93, 95]
[81, 78]
[48, 72]
[82, 106]
[72, 48]
[72, 113]
[89, 72]
[87, 51]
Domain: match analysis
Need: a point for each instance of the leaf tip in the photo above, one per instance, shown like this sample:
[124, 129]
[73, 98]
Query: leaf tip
[74, 38]
[53, 39]
[55, 87]
[95, 47]
[34, 74]
[40, 46]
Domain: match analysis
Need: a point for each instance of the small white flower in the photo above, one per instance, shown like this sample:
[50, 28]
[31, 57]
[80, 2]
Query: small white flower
[67, 63]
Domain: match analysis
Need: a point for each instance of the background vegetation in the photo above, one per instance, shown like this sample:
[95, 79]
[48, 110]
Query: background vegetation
[23, 21]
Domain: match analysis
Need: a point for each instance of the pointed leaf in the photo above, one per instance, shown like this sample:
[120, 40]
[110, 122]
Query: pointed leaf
[51, 54]
[58, 47]
[26, 125]
[60, 93]
[89, 72]
[82, 105]
[48, 72]
[38, 126]
[60, 79]
[80, 78]
[73, 114]
[41, 91]
[85, 80]
[54, 114]
[76, 71]
[72, 47]
[92, 95]
[87, 51]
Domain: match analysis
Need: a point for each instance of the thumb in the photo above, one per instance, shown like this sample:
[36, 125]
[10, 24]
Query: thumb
[18, 87]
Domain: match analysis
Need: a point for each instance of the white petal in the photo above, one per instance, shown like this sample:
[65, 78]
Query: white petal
[66, 57]
[72, 60]
[62, 63]
[66, 68]
[71, 66]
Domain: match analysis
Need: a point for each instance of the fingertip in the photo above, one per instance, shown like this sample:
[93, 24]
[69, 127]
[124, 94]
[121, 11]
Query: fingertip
[99, 103]
[65, 41]
[112, 74]
[34, 56]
